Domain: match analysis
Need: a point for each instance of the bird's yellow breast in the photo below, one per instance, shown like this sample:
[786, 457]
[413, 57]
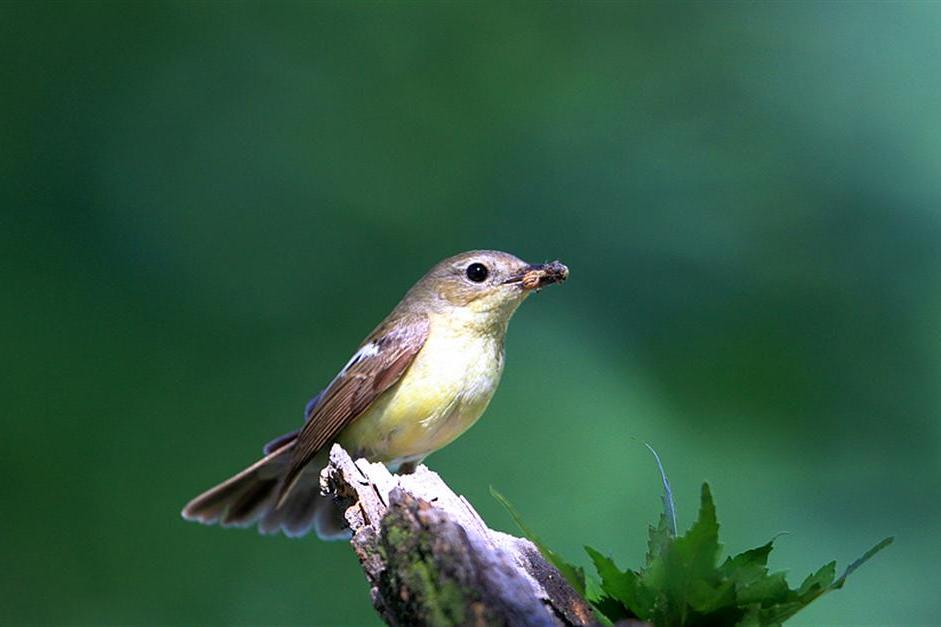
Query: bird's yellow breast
[443, 392]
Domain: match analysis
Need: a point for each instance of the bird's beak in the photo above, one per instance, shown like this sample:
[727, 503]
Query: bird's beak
[536, 276]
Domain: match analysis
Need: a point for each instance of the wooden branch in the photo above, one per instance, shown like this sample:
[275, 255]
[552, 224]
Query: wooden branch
[431, 560]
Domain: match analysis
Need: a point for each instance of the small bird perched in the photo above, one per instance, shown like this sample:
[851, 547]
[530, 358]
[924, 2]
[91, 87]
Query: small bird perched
[417, 382]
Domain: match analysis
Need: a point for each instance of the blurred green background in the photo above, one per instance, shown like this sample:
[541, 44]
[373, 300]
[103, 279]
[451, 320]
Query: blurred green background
[206, 207]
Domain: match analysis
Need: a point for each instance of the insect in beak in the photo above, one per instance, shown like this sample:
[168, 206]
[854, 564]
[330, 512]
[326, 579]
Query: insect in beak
[536, 276]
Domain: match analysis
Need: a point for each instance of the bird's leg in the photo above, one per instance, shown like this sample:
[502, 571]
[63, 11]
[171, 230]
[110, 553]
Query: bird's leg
[407, 468]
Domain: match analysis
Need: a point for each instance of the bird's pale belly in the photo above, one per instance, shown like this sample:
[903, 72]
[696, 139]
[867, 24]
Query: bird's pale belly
[440, 396]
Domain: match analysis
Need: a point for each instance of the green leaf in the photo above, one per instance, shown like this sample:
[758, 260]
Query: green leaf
[685, 573]
[821, 582]
[812, 587]
[767, 590]
[682, 583]
[658, 539]
[575, 575]
[751, 618]
[752, 562]
[817, 583]
[697, 551]
[622, 586]
[610, 608]
[706, 598]
[748, 571]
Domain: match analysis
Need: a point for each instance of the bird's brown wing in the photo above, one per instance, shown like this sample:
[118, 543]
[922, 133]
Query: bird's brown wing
[376, 366]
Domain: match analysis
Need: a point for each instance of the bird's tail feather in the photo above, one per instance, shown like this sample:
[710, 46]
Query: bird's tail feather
[250, 497]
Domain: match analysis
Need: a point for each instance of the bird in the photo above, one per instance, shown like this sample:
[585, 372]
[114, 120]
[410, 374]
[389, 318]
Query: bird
[423, 376]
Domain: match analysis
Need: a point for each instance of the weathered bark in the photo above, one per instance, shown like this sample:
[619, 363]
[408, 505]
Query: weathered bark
[431, 560]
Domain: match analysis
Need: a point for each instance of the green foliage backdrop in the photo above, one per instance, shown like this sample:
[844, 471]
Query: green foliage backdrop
[205, 206]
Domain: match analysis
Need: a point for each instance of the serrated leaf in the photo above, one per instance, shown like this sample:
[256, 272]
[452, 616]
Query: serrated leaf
[821, 582]
[778, 613]
[575, 575]
[817, 583]
[697, 551]
[682, 584]
[619, 598]
[748, 571]
[747, 563]
[618, 584]
[706, 598]
[685, 572]
[751, 618]
[658, 538]
[767, 590]
[769, 616]
[610, 608]
[812, 587]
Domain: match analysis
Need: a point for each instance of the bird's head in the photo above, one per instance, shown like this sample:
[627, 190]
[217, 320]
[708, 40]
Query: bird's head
[484, 287]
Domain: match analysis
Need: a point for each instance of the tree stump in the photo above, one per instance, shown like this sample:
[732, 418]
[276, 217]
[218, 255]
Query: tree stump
[430, 559]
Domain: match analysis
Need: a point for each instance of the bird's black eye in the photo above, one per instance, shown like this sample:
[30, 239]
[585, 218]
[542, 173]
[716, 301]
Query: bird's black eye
[477, 272]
